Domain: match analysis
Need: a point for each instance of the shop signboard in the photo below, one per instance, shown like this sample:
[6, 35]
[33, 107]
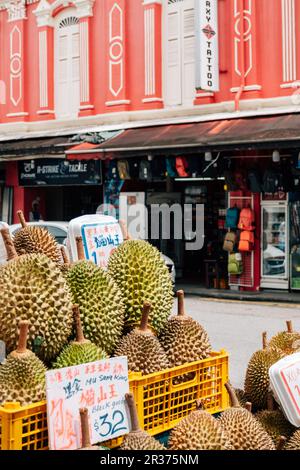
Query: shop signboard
[100, 387]
[59, 172]
[207, 45]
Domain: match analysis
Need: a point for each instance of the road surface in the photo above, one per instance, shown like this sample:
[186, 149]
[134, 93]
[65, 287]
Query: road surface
[237, 327]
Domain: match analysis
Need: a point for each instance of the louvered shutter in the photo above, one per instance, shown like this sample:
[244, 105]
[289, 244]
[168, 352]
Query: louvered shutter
[173, 78]
[188, 55]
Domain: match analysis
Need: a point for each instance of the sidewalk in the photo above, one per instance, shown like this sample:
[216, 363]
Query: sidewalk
[259, 296]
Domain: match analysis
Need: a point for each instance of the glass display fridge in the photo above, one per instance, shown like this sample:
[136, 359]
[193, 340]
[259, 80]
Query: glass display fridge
[275, 244]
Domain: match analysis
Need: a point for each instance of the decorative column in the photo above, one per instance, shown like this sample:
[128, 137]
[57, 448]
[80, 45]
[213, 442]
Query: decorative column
[16, 11]
[46, 60]
[289, 47]
[117, 80]
[84, 13]
[153, 53]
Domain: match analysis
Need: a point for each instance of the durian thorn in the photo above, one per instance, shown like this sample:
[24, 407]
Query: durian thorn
[124, 229]
[85, 430]
[180, 297]
[264, 340]
[281, 442]
[22, 342]
[232, 395]
[22, 219]
[79, 245]
[64, 255]
[199, 405]
[135, 427]
[78, 326]
[270, 402]
[145, 316]
[248, 406]
[9, 244]
[289, 326]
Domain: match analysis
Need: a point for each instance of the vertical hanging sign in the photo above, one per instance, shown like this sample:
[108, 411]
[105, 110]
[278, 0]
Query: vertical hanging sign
[207, 45]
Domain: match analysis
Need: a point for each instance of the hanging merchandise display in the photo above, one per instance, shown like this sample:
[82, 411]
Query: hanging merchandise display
[232, 217]
[123, 169]
[246, 242]
[229, 242]
[247, 220]
[182, 167]
[170, 166]
[235, 264]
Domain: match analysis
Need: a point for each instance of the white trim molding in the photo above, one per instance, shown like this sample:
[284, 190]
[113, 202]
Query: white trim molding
[289, 59]
[153, 99]
[246, 88]
[86, 107]
[44, 11]
[84, 8]
[149, 40]
[16, 10]
[117, 102]
[43, 69]
[45, 111]
[290, 85]
[17, 114]
[84, 62]
[152, 2]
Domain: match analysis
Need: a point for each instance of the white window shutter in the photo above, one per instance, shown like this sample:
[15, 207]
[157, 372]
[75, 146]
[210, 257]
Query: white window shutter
[173, 89]
[188, 62]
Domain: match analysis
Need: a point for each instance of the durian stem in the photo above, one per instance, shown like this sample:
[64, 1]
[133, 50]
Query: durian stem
[22, 343]
[85, 430]
[180, 297]
[289, 326]
[270, 402]
[125, 233]
[133, 412]
[22, 219]
[79, 245]
[78, 326]
[232, 395]
[248, 406]
[199, 405]
[145, 316]
[9, 244]
[64, 255]
[264, 340]
[281, 443]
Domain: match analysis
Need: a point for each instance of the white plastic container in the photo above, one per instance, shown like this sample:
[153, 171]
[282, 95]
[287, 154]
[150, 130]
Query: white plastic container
[3, 254]
[101, 234]
[285, 384]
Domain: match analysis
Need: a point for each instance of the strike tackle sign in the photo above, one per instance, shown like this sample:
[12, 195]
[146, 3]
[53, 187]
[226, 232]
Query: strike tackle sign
[207, 48]
[98, 386]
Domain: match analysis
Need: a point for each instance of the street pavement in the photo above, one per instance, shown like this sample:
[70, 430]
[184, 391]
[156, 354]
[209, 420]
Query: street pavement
[238, 326]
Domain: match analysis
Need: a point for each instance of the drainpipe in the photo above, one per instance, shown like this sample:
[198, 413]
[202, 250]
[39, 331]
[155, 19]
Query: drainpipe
[242, 85]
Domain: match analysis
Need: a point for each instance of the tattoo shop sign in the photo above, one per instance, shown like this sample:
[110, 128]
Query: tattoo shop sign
[98, 386]
[207, 47]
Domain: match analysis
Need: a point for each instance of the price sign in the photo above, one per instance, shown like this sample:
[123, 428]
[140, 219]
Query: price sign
[98, 386]
[99, 240]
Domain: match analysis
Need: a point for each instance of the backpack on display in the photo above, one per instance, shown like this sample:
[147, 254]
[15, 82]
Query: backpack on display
[229, 242]
[182, 166]
[255, 184]
[232, 217]
[145, 170]
[246, 242]
[235, 264]
[271, 182]
[170, 166]
[247, 220]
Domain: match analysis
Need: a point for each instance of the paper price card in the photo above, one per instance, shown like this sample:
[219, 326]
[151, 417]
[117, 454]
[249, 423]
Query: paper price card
[99, 240]
[98, 386]
[291, 379]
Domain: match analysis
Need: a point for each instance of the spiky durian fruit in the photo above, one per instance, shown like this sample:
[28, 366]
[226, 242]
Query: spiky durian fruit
[142, 348]
[243, 430]
[286, 341]
[85, 432]
[199, 431]
[294, 442]
[33, 288]
[100, 302]
[138, 439]
[80, 351]
[141, 273]
[257, 379]
[34, 239]
[183, 338]
[22, 375]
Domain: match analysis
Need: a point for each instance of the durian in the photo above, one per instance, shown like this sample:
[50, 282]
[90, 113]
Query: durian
[85, 432]
[22, 375]
[286, 341]
[142, 348]
[257, 379]
[199, 431]
[33, 288]
[294, 442]
[183, 338]
[274, 421]
[138, 439]
[243, 430]
[80, 351]
[141, 273]
[34, 239]
[100, 302]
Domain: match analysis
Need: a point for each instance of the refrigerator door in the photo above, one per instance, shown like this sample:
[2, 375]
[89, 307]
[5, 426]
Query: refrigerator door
[274, 253]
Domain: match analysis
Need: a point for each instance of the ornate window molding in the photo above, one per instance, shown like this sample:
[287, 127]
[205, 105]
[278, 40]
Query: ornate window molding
[45, 11]
[16, 10]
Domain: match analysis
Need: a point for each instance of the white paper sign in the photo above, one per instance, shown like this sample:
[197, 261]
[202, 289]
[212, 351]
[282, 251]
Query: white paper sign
[98, 386]
[100, 240]
[207, 45]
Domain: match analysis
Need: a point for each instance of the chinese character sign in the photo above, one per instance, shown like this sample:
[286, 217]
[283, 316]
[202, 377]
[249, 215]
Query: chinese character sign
[99, 240]
[98, 386]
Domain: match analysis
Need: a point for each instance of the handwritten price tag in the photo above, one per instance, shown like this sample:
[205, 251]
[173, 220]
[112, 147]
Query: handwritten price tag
[99, 240]
[98, 386]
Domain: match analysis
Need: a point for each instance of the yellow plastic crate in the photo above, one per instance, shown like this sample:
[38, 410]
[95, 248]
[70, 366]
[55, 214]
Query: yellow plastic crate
[162, 399]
